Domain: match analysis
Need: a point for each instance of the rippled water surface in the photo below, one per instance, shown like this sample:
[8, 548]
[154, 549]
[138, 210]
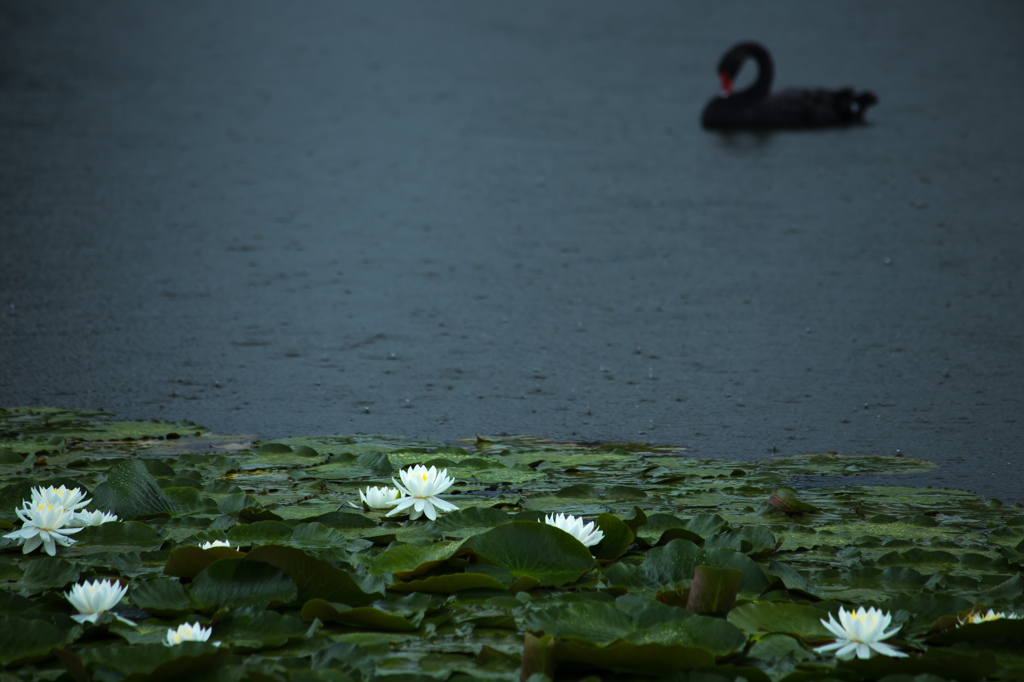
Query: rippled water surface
[438, 220]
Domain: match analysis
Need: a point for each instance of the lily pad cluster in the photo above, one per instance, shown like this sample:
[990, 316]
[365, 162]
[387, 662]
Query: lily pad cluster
[260, 560]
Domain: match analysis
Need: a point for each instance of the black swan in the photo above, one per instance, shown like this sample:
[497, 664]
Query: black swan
[757, 107]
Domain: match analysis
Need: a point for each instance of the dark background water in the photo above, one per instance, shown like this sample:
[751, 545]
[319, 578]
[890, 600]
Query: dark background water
[444, 219]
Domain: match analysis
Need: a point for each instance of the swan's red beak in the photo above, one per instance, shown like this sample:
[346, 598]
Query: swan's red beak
[726, 84]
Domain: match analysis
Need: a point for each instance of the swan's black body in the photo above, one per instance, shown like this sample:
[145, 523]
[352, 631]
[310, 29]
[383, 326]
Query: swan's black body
[758, 108]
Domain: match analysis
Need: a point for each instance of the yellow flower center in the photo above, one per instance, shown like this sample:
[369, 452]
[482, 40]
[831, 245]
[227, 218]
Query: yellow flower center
[863, 618]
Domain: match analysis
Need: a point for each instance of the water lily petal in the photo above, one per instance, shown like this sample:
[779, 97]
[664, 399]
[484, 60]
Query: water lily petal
[887, 650]
[834, 627]
[401, 505]
[830, 647]
[443, 505]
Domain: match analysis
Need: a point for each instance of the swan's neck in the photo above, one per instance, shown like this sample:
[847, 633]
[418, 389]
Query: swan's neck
[765, 73]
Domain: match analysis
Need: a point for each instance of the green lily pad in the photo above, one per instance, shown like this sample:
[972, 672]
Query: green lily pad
[535, 550]
[315, 535]
[259, 533]
[773, 648]
[249, 629]
[406, 561]
[86, 425]
[155, 661]
[595, 622]
[450, 583]
[677, 561]
[476, 576]
[316, 578]
[281, 456]
[629, 657]
[130, 491]
[469, 520]
[781, 617]
[617, 537]
[848, 464]
[24, 639]
[116, 536]
[190, 560]
[1006, 628]
[236, 583]
[162, 597]
[47, 573]
[360, 617]
[946, 665]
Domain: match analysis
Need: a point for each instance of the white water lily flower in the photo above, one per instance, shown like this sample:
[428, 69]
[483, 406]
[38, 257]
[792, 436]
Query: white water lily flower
[420, 492]
[985, 617]
[188, 632]
[585, 533]
[215, 543]
[72, 500]
[93, 518]
[45, 524]
[92, 598]
[860, 633]
[379, 498]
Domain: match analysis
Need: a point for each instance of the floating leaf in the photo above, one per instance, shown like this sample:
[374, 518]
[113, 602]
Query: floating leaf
[945, 665]
[118, 535]
[624, 656]
[24, 639]
[1007, 628]
[361, 617]
[190, 560]
[538, 656]
[638, 520]
[406, 561]
[450, 583]
[189, 500]
[252, 628]
[536, 550]
[237, 503]
[47, 573]
[259, 533]
[781, 617]
[623, 492]
[12, 496]
[130, 491]
[785, 500]
[790, 578]
[348, 467]
[343, 520]
[315, 535]
[316, 578]
[236, 583]
[773, 648]
[156, 661]
[579, 491]
[707, 525]
[162, 597]
[471, 519]
[9, 456]
[281, 456]
[713, 589]
[677, 561]
[925, 555]
[617, 537]
[340, 662]
[847, 464]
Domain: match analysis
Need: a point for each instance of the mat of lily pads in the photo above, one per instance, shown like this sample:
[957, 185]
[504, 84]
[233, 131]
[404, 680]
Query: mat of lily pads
[315, 587]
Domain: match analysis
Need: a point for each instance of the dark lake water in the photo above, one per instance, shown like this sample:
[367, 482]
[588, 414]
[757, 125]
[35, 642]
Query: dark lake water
[445, 219]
